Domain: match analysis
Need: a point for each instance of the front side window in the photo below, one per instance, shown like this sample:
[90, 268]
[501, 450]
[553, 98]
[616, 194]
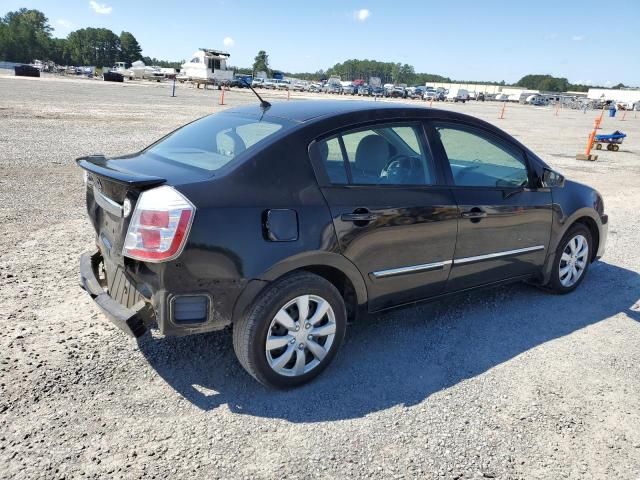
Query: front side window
[478, 159]
[379, 155]
[212, 142]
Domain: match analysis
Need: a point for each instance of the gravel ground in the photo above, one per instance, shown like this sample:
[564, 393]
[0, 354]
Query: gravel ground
[508, 383]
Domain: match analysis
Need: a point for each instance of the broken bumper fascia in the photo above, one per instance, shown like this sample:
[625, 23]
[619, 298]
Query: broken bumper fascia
[133, 321]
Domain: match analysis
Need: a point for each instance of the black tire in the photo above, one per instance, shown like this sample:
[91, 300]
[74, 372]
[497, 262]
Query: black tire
[615, 148]
[609, 147]
[251, 330]
[598, 146]
[554, 285]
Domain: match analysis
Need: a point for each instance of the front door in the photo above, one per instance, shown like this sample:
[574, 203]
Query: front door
[391, 219]
[504, 222]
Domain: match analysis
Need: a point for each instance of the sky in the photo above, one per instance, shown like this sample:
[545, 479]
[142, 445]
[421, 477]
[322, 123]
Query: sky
[585, 41]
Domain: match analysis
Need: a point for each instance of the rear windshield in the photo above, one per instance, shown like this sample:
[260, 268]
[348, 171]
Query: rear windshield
[212, 142]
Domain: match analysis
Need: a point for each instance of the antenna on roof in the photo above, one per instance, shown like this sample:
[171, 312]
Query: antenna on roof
[263, 103]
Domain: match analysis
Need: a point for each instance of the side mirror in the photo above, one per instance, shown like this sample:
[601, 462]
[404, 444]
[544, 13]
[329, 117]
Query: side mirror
[551, 178]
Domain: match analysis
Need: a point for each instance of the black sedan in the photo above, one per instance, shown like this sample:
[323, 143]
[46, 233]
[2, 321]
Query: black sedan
[287, 221]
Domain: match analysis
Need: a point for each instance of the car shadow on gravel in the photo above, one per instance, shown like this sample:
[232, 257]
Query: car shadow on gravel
[401, 357]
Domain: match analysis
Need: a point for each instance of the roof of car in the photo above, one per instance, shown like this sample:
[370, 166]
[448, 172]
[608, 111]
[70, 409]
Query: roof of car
[305, 110]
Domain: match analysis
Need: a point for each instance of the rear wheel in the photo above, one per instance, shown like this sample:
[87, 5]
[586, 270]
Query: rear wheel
[572, 259]
[292, 331]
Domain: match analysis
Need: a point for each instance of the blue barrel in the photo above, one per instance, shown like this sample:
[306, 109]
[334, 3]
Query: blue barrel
[612, 111]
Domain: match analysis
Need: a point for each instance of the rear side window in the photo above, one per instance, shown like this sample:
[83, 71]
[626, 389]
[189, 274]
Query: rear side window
[380, 155]
[212, 142]
[334, 163]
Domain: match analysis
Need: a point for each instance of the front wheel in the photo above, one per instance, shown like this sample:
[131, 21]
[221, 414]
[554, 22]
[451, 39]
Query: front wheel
[292, 331]
[572, 260]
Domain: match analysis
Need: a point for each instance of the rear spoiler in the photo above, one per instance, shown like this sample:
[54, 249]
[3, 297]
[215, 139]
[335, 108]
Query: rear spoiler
[104, 167]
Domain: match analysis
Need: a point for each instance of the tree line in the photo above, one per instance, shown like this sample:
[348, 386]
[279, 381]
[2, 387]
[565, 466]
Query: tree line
[548, 83]
[353, 70]
[25, 35]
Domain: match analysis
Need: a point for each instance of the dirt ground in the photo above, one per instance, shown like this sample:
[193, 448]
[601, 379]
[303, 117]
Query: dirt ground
[510, 383]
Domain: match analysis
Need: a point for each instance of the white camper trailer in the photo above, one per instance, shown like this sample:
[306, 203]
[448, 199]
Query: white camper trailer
[207, 66]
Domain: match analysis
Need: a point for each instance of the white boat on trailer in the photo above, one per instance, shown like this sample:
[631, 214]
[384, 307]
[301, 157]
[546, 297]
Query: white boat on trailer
[139, 70]
[208, 67]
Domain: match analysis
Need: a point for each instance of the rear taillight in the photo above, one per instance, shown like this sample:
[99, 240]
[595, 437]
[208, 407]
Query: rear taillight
[159, 225]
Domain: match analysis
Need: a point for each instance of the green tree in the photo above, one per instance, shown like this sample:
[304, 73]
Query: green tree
[130, 49]
[24, 36]
[58, 51]
[355, 69]
[261, 62]
[545, 83]
[162, 63]
[93, 46]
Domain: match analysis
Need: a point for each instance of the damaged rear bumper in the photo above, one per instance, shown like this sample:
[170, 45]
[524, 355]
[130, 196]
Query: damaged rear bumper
[132, 321]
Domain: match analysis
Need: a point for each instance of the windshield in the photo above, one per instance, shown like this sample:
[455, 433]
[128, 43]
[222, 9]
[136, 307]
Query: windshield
[212, 142]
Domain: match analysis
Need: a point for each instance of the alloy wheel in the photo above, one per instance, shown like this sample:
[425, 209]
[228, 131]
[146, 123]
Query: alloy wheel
[573, 261]
[300, 335]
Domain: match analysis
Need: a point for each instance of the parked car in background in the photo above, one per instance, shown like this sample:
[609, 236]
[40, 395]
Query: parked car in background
[432, 96]
[335, 88]
[283, 84]
[241, 81]
[270, 83]
[368, 186]
[457, 95]
[315, 87]
[415, 92]
[364, 90]
[501, 97]
[377, 91]
[397, 92]
[349, 88]
[371, 91]
[257, 82]
[299, 86]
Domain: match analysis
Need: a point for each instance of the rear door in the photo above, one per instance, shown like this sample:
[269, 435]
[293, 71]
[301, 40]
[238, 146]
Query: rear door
[504, 221]
[392, 218]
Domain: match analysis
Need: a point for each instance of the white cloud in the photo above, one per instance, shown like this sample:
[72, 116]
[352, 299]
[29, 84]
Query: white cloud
[228, 42]
[62, 24]
[362, 15]
[100, 8]
[577, 38]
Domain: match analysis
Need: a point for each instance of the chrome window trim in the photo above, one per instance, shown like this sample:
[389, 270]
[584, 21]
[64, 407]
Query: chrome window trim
[114, 208]
[426, 267]
[505, 253]
[412, 269]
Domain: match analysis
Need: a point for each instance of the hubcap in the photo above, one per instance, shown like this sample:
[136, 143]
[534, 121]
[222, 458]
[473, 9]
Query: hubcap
[300, 335]
[573, 260]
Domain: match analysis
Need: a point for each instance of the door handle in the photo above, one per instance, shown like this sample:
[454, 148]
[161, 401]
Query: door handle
[358, 217]
[474, 214]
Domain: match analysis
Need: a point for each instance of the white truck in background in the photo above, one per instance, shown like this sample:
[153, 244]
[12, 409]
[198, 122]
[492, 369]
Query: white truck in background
[457, 95]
